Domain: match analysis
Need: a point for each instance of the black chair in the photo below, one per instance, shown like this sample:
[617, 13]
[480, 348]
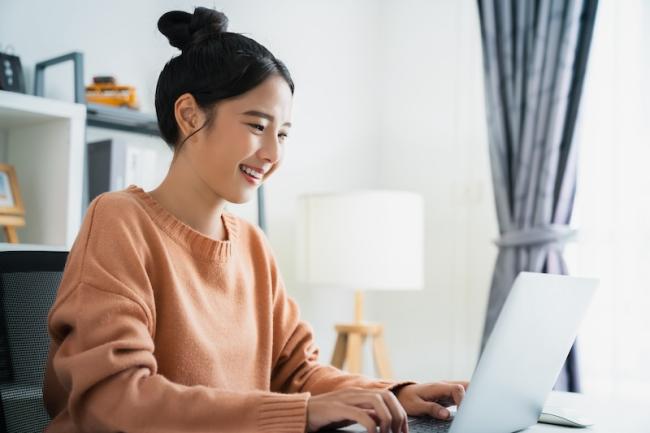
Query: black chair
[28, 284]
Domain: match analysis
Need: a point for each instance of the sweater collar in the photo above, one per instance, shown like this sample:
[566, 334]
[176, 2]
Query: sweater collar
[197, 243]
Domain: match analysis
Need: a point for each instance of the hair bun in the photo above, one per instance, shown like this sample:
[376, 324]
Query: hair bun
[183, 28]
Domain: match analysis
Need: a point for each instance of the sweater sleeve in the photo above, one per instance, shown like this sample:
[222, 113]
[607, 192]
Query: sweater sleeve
[104, 327]
[296, 367]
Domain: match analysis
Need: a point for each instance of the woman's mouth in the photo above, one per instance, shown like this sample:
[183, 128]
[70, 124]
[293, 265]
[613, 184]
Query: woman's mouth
[250, 175]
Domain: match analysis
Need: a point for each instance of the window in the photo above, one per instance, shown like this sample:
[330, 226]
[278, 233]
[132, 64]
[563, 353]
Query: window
[612, 209]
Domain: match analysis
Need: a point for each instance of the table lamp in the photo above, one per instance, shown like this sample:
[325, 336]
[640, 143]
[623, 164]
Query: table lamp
[361, 240]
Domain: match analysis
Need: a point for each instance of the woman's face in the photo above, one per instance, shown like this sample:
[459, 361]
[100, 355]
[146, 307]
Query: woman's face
[248, 132]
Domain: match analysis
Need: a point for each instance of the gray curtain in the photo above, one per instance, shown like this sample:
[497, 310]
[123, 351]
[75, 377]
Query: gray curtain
[261, 208]
[535, 54]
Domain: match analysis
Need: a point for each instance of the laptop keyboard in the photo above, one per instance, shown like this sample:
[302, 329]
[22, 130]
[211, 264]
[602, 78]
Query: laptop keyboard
[428, 425]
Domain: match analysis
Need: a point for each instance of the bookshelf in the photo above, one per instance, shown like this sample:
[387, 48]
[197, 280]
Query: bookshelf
[44, 140]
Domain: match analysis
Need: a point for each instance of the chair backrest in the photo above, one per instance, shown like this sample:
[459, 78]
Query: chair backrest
[28, 284]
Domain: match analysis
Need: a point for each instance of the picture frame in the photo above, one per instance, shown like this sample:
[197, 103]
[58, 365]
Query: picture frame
[11, 202]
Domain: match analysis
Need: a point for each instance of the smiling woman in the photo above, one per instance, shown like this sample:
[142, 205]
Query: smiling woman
[172, 314]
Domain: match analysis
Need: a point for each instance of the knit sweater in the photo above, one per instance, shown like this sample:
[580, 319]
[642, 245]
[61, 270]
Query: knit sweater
[157, 327]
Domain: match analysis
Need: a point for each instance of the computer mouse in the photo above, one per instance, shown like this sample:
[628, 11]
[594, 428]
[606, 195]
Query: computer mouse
[565, 417]
[452, 411]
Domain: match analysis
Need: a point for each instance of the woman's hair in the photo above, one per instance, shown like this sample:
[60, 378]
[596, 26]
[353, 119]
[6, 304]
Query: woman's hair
[214, 64]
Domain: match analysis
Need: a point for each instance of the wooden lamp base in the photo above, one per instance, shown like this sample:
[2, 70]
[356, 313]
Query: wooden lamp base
[351, 338]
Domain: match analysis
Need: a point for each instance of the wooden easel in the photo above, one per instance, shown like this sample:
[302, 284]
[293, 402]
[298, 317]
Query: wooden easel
[14, 216]
[10, 223]
[350, 339]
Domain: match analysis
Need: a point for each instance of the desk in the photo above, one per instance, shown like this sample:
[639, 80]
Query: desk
[614, 415]
[611, 415]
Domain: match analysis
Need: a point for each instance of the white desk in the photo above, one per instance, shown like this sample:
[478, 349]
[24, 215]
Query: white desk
[609, 416]
[615, 415]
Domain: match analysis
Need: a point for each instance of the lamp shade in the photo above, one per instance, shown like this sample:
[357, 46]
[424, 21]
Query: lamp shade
[361, 240]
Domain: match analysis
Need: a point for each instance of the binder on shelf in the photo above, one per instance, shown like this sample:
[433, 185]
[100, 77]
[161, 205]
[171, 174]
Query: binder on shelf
[113, 165]
[123, 119]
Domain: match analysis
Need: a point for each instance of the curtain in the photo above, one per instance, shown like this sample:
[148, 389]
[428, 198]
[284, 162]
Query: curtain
[261, 208]
[534, 56]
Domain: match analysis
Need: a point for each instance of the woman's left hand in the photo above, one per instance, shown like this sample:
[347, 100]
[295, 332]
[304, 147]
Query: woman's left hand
[431, 398]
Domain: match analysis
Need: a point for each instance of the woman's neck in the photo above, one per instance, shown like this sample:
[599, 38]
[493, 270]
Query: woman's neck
[191, 201]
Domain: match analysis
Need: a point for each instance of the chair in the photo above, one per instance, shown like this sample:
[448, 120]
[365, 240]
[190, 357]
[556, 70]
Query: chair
[28, 284]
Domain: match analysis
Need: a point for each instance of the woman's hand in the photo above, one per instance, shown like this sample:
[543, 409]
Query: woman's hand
[431, 398]
[370, 408]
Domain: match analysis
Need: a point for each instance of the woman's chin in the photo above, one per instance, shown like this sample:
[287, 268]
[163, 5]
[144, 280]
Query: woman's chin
[244, 197]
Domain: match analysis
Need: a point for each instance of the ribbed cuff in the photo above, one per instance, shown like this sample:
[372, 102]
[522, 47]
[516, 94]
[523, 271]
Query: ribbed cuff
[286, 413]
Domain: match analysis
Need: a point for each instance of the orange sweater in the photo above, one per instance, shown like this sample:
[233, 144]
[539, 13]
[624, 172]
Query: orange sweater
[159, 328]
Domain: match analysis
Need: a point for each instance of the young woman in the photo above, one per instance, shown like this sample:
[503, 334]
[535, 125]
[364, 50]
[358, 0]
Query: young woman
[172, 315]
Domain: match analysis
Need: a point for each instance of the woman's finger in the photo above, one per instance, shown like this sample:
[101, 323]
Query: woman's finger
[377, 403]
[458, 382]
[361, 416]
[455, 396]
[397, 411]
[445, 393]
[458, 394]
[373, 415]
[432, 409]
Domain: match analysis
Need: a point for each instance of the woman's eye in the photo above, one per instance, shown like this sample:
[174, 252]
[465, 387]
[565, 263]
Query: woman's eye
[283, 135]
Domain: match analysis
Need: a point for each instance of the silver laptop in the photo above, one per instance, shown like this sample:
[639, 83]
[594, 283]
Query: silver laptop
[522, 357]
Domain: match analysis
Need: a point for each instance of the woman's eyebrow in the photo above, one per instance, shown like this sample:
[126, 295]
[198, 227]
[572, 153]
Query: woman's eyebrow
[263, 115]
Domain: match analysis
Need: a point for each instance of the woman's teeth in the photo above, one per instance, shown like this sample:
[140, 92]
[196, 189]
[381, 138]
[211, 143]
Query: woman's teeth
[250, 172]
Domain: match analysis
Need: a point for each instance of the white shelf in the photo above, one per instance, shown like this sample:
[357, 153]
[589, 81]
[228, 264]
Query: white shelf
[44, 140]
[20, 110]
[30, 247]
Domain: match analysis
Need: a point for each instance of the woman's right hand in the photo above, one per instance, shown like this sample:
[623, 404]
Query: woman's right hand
[369, 407]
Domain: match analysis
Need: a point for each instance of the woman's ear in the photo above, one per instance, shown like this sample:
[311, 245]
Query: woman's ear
[188, 114]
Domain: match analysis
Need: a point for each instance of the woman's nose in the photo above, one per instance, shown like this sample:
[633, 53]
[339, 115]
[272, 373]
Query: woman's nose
[271, 149]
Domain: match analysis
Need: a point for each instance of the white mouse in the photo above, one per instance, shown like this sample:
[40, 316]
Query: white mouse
[452, 411]
[565, 417]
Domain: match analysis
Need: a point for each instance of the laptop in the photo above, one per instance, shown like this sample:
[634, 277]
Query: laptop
[521, 359]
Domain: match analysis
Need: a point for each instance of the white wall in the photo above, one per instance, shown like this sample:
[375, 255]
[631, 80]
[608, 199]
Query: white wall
[434, 142]
[388, 94]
